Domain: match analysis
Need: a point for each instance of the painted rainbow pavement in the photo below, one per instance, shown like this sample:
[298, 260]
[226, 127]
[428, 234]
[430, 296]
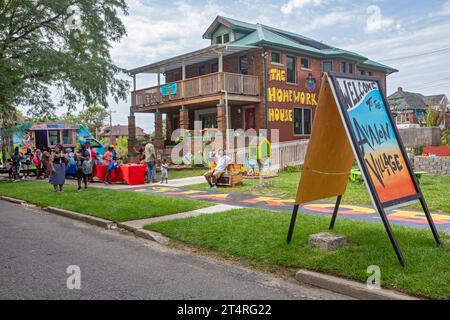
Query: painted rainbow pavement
[405, 217]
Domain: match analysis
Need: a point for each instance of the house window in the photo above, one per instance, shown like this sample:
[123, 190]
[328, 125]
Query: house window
[209, 120]
[302, 121]
[370, 73]
[350, 68]
[290, 69]
[218, 39]
[67, 137]
[305, 63]
[54, 137]
[275, 57]
[201, 70]
[214, 67]
[243, 64]
[407, 117]
[226, 38]
[363, 72]
[327, 66]
[343, 67]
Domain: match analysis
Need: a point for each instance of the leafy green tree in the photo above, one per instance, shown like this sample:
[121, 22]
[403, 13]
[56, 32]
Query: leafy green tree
[93, 118]
[433, 118]
[59, 48]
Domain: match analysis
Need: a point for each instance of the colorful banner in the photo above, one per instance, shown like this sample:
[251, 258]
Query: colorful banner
[169, 89]
[375, 138]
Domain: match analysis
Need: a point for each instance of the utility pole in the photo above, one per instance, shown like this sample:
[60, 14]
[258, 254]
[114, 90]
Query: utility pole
[110, 126]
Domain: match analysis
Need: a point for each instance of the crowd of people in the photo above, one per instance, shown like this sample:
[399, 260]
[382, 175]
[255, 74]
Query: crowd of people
[54, 164]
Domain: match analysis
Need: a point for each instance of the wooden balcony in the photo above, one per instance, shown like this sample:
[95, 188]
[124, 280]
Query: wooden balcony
[209, 87]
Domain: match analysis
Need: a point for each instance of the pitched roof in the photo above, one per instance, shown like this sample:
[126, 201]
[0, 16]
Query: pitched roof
[259, 34]
[435, 99]
[120, 130]
[404, 100]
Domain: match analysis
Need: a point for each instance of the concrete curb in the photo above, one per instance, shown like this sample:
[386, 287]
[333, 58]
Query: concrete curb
[12, 200]
[81, 217]
[348, 287]
[146, 234]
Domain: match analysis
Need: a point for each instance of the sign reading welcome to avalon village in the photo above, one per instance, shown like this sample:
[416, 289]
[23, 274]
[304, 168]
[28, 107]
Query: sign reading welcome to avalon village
[353, 121]
[377, 144]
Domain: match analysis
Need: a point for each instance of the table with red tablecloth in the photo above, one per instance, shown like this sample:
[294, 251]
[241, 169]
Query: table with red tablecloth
[129, 173]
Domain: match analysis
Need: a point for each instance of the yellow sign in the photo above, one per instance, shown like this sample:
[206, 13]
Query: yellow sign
[280, 114]
[291, 96]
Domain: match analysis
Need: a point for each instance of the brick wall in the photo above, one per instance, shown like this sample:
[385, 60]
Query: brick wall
[439, 165]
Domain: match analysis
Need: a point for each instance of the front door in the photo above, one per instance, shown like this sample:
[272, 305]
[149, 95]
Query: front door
[249, 118]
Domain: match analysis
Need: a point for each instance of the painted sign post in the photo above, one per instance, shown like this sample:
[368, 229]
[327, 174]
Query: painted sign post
[352, 121]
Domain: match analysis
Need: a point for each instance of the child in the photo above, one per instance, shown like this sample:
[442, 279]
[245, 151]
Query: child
[164, 170]
[9, 168]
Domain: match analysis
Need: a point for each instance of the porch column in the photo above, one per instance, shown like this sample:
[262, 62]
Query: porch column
[221, 125]
[133, 144]
[184, 118]
[159, 140]
[220, 62]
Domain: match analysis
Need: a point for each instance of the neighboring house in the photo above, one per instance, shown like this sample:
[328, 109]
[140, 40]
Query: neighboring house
[244, 65]
[409, 107]
[119, 131]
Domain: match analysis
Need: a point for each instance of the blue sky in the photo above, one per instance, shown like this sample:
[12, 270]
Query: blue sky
[412, 36]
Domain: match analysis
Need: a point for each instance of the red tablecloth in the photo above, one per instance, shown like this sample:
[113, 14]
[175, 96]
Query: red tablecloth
[130, 173]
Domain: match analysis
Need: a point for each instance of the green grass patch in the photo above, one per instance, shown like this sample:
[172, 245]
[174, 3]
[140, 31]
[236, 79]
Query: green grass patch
[178, 174]
[436, 189]
[259, 237]
[112, 205]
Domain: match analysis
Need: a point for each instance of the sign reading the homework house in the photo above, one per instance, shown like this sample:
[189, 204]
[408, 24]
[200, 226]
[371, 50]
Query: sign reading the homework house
[375, 141]
[169, 89]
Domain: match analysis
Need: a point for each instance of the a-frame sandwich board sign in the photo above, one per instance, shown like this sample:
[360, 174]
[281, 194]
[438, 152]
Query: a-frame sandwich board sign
[353, 120]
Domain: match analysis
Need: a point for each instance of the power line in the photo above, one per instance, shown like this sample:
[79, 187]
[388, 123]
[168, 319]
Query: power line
[416, 55]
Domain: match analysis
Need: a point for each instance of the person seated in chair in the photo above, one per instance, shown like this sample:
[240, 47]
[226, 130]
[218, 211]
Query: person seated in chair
[222, 161]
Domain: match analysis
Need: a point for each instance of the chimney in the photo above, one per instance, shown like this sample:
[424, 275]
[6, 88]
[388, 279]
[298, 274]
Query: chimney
[400, 89]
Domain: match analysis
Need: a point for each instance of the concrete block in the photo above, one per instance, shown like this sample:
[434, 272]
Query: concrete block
[327, 241]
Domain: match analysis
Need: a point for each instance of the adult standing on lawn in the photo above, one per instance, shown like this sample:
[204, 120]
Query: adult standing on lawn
[16, 159]
[222, 161]
[150, 160]
[93, 156]
[84, 166]
[28, 161]
[37, 160]
[58, 165]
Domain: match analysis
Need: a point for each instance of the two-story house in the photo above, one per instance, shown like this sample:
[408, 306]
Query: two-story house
[251, 76]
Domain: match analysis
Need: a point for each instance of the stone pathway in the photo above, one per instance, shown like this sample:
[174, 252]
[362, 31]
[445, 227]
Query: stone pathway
[139, 224]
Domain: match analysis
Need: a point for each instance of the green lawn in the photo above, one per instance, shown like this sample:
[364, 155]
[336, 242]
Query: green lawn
[178, 174]
[113, 205]
[260, 238]
[436, 189]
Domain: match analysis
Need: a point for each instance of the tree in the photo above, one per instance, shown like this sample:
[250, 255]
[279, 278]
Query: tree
[93, 118]
[49, 46]
[433, 118]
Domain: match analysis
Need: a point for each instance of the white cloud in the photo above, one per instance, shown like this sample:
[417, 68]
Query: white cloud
[291, 5]
[423, 66]
[378, 22]
[329, 19]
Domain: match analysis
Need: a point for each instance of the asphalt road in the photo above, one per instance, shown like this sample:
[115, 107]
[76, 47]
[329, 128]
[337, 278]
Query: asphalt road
[36, 248]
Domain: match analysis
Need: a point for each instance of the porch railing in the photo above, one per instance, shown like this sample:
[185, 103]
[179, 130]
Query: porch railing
[208, 84]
